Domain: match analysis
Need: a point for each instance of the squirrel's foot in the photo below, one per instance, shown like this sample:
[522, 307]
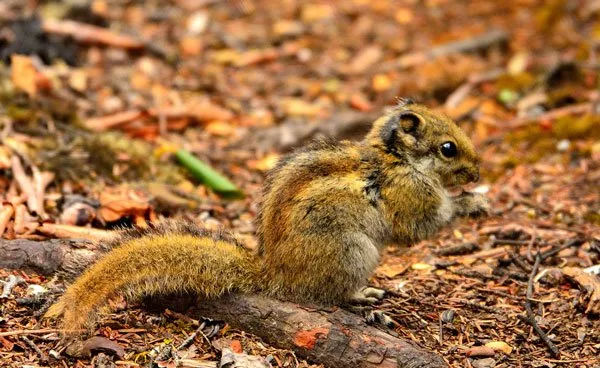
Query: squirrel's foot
[372, 317]
[380, 318]
[472, 205]
[367, 296]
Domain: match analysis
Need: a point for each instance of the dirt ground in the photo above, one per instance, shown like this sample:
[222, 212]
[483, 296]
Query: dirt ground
[97, 96]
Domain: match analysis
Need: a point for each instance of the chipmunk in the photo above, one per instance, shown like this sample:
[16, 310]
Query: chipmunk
[326, 214]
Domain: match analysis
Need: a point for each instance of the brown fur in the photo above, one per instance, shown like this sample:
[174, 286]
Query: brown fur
[327, 211]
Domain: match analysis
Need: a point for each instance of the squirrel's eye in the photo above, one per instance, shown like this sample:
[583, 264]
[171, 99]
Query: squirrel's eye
[448, 149]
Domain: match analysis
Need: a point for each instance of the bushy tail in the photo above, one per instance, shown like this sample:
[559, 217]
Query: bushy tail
[171, 258]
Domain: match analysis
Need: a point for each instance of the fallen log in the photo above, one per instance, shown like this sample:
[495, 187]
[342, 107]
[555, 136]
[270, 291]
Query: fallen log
[335, 338]
[67, 258]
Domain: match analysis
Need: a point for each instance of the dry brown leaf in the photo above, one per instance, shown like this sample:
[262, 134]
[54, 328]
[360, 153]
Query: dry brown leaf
[392, 270]
[500, 346]
[95, 344]
[590, 283]
[121, 202]
[365, 59]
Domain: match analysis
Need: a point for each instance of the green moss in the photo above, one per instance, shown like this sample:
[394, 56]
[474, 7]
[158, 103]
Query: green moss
[576, 127]
[81, 155]
[592, 217]
[517, 83]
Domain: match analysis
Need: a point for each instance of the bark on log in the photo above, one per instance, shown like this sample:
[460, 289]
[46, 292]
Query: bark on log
[334, 338]
[67, 258]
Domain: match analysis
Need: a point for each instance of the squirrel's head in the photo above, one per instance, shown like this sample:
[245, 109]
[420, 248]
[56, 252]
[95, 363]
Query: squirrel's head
[428, 140]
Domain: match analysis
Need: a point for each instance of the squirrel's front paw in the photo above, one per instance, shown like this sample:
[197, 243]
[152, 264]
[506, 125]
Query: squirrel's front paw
[472, 205]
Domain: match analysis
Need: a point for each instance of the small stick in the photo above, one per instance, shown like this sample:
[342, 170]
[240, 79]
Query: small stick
[19, 219]
[441, 332]
[459, 249]
[26, 185]
[103, 123]
[511, 242]
[10, 284]
[86, 33]
[531, 316]
[75, 232]
[555, 251]
[187, 342]
[43, 357]
[577, 109]
[519, 261]
[41, 180]
[466, 45]
[30, 332]
[6, 213]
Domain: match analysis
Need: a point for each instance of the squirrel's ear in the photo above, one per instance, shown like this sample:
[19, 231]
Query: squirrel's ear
[401, 129]
[389, 132]
[410, 122]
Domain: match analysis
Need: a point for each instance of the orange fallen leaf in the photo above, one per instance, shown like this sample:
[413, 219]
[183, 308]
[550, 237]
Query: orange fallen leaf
[122, 202]
[264, 164]
[24, 74]
[392, 270]
[360, 102]
[236, 346]
[191, 46]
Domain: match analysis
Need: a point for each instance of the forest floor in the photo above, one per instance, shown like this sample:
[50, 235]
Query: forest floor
[96, 96]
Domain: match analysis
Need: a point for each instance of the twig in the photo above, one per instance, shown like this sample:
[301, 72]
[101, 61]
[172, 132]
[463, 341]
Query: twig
[41, 180]
[556, 250]
[30, 332]
[460, 249]
[531, 316]
[187, 342]
[43, 357]
[26, 185]
[551, 115]
[518, 260]
[460, 93]
[510, 242]
[6, 213]
[474, 274]
[466, 45]
[10, 284]
[75, 232]
[86, 33]
[103, 123]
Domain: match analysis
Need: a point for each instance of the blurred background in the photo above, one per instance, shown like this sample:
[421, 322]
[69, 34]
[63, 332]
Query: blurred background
[106, 107]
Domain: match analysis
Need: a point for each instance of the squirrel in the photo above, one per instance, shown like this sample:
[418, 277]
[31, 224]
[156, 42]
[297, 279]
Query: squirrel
[327, 212]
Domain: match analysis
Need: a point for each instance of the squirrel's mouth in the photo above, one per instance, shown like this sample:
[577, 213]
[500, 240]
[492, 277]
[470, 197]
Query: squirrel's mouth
[457, 189]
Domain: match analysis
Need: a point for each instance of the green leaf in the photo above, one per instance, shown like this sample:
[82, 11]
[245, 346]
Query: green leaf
[208, 175]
